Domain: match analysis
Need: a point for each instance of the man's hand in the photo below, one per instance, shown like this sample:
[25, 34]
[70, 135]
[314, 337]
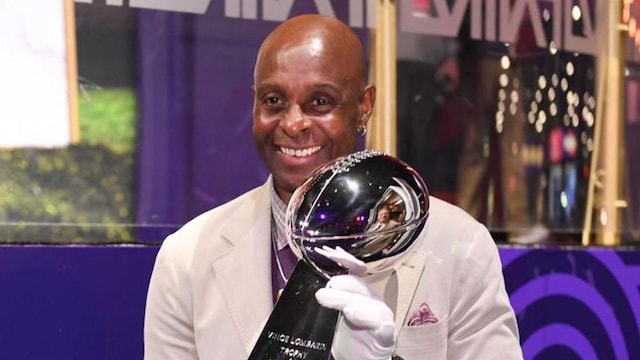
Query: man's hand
[366, 329]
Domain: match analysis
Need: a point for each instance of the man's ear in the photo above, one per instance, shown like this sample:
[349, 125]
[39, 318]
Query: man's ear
[367, 102]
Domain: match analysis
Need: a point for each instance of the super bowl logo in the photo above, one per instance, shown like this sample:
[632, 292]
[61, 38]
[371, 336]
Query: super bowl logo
[575, 304]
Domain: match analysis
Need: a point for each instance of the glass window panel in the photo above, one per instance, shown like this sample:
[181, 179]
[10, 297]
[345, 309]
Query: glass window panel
[497, 114]
[631, 218]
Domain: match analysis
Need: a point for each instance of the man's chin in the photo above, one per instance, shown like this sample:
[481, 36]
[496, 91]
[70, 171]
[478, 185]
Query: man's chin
[286, 185]
[289, 178]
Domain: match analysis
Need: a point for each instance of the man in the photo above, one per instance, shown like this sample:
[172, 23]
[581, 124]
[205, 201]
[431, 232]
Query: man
[383, 220]
[377, 243]
[213, 284]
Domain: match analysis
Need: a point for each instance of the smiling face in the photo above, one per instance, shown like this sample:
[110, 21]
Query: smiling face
[309, 98]
[383, 215]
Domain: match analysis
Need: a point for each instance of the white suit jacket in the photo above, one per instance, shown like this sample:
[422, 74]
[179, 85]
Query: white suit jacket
[210, 293]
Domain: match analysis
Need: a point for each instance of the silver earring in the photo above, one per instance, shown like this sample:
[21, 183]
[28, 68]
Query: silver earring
[362, 130]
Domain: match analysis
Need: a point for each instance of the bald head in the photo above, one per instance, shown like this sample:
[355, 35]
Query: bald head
[310, 97]
[320, 36]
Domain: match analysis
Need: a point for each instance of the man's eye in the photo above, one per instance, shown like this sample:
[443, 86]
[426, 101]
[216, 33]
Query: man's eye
[272, 100]
[320, 105]
[321, 101]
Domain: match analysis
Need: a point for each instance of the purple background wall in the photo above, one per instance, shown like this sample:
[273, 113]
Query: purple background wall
[87, 302]
[73, 302]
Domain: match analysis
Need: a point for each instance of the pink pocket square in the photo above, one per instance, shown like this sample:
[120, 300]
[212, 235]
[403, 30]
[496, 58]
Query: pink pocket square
[422, 316]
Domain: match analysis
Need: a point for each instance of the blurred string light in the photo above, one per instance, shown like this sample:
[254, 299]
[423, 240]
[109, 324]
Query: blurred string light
[503, 81]
[556, 97]
[576, 13]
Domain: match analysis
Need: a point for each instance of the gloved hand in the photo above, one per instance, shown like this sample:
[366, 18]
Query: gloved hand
[365, 330]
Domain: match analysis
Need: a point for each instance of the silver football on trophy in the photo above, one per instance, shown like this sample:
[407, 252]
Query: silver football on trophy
[369, 204]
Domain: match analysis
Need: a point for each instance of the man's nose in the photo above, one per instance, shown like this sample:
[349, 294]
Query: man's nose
[294, 121]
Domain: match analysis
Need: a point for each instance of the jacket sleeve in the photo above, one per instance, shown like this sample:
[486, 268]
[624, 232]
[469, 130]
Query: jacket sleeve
[482, 323]
[168, 324]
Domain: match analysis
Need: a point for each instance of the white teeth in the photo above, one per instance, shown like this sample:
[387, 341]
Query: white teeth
[300, 152]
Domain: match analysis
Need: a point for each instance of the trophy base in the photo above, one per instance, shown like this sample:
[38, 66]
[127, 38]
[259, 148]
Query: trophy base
[299, 327]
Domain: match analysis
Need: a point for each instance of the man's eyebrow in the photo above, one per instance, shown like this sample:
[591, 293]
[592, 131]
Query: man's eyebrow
[324, 86]
[267, 86]
[271, 86]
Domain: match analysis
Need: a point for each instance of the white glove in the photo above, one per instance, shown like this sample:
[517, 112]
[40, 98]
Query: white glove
[365, 331]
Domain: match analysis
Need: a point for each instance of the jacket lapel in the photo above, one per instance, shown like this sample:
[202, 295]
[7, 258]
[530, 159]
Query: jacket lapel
[409, 273]
[243, 271]
[398, 286]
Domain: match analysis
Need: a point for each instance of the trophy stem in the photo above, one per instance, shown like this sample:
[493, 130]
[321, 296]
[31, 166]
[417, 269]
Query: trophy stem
[299, 327]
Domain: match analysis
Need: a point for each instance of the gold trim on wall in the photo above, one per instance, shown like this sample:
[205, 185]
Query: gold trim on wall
[382, 127]
[605, 179]
[72, 70]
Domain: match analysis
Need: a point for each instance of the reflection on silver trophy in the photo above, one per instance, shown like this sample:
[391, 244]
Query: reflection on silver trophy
[369, 204]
